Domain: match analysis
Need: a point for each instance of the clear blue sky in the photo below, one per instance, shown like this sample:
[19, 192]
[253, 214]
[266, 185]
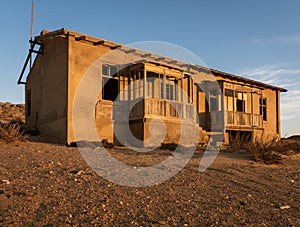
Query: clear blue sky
[256, 39]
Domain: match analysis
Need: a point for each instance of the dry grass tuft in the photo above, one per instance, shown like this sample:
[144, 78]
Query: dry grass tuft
[12, 132]
[271, 152]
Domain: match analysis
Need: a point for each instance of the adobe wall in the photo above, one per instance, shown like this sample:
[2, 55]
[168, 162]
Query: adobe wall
[183, 132]
[81, 56]
[270, 126]
[48, 84]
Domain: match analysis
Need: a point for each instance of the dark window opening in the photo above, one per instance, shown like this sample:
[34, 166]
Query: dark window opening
[228, 92]
[263, 108]
[240, 105]
[240, 102]
[110, 82]
[110, 88]
[28, 102]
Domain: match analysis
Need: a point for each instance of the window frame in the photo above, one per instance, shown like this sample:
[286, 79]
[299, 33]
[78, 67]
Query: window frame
[106, 77]
[263, 108]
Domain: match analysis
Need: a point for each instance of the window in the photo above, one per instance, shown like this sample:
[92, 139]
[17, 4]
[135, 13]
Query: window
[235, 101]
[109, 70]
[239, 105]
[110, 82]
[214, 100]
[263, 108]
[240, 102]
[167, 90]
[228, 100]
[28, 102]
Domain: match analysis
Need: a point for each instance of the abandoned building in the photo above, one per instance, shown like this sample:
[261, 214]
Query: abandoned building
[155, 87]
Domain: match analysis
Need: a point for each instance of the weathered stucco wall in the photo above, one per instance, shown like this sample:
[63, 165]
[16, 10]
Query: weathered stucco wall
[270, 125]
[48, 85]
[81, 56]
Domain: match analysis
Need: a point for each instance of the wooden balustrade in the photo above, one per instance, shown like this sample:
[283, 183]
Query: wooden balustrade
[152, 107]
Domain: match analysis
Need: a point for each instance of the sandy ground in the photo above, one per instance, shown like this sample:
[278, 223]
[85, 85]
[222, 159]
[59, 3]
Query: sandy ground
[51, 185]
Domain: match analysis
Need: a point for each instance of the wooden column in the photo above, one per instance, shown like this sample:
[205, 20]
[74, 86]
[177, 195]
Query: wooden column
[145, 83]
[164, 86]
[145, 90]
[181, 85]
[119, 84]
[129, 85]
[223, 111]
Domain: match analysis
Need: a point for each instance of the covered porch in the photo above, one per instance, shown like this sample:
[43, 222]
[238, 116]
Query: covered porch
[148, 91]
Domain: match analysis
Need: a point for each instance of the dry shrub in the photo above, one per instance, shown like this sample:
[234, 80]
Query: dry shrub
[12, 132]
[169, 146]
[107, 144]
[270, 152]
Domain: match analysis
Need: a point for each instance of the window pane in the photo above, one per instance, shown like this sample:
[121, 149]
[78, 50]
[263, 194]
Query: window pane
[228, 92]
[239, 105]
[105, 70]
[113, 70]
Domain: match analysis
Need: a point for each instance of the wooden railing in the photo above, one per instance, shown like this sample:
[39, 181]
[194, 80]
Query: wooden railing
[151, 107]
[243, 119]
[216, 119]
[169, 109]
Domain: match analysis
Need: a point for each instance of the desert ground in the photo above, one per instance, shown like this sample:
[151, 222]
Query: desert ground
[44, 184]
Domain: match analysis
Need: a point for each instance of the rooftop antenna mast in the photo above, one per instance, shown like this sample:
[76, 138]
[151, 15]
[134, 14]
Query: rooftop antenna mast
[31, 29]
[31, 50]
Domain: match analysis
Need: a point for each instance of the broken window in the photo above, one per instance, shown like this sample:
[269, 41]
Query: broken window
[263, 108]
[110, 82]
[240, 102]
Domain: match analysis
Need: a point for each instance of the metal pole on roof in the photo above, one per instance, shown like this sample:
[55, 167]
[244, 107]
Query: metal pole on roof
[31, 28]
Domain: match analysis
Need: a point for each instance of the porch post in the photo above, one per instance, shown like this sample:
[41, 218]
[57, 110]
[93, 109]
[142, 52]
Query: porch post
[252, 117]
[164, 86]
[181, 86]
[223, 111]
[145, 90]
[129, 85]
[145, 82]
[182, 98]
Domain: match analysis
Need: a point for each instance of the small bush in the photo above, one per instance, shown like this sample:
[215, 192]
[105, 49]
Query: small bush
[268, 152]
[169, 146]
[107, 144]
[12, 132]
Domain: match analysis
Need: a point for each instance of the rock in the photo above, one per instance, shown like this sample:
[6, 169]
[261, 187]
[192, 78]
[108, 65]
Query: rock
[80, 172]
[284, 207]
[5, 181]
